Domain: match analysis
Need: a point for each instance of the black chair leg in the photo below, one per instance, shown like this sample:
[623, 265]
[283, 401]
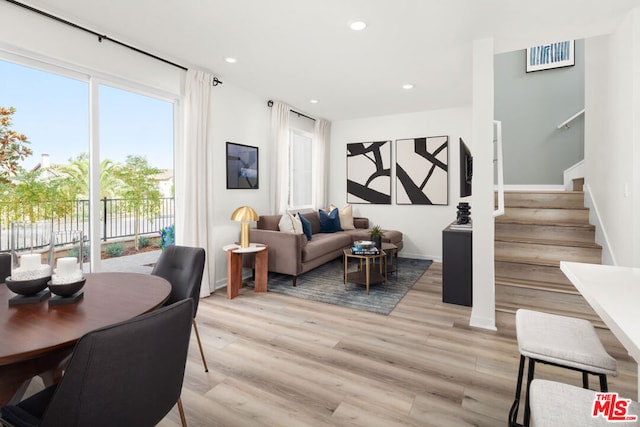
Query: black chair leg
[585, 380]
[513, 412]
[603, 383]
[527, 408]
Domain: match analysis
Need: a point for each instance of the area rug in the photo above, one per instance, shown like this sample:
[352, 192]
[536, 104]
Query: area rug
[325, 284]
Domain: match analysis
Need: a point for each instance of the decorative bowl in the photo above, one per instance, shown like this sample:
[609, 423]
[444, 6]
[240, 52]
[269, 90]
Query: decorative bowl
[66, 289]
[364, 244]
[27, 287]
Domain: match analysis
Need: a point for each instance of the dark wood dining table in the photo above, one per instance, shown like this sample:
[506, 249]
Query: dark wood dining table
[36, 338]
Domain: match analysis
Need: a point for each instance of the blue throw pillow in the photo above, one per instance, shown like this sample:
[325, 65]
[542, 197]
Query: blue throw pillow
[329, 223]
[306, 226]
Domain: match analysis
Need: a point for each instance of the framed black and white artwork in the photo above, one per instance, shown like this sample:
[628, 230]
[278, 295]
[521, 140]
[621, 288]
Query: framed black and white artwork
[369, 172]
[242, 166]
[551, 55]
[422, 171]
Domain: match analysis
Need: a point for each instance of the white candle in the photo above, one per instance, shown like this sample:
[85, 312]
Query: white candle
[67, 266]
[30, 261]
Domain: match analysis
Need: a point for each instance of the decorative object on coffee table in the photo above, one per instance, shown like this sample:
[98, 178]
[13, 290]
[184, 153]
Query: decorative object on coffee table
[376, 236]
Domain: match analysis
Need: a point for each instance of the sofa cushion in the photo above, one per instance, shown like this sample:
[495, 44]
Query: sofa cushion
[329, 222]
[313, 219]
[306, 226]
[290, 224]
[346, 217]
[324, 243]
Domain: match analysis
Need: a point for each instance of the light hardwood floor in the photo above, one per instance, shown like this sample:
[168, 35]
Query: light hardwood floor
[276, 360]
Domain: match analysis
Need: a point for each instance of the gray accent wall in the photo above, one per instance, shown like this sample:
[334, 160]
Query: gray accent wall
[531, 106]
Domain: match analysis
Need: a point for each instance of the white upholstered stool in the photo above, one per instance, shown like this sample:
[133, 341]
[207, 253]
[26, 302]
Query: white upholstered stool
[555, 404]
[562, 341]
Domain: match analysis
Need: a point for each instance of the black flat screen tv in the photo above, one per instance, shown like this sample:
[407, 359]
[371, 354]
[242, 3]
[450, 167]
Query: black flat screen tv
[466, 169]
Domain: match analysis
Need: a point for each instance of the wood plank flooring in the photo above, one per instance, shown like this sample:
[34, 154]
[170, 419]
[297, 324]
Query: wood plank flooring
[276, 360]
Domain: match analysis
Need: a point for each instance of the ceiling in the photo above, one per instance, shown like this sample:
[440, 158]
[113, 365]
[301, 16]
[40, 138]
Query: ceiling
[298, 50]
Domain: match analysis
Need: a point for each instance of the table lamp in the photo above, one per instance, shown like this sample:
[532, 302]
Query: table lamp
[245, 215]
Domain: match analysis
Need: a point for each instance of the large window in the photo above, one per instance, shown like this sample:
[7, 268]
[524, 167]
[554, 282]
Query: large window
[53, 108]
[300, 170]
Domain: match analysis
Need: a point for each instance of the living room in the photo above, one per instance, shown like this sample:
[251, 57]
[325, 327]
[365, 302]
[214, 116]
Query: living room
[241, 115]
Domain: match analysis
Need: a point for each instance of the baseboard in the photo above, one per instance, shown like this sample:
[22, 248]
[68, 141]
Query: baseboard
[483, 322]
[601, 234]
[404, 254]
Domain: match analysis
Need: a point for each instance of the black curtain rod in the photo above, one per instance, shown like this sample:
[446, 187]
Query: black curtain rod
[270, 104]
[102, 37]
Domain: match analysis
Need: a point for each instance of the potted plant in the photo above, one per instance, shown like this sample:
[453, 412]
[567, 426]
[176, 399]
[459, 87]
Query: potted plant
[375, 234]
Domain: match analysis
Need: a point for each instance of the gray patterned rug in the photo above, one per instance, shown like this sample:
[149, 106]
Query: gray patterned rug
[325, 284]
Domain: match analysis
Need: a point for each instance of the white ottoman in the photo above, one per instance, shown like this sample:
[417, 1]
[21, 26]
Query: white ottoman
[561, 341]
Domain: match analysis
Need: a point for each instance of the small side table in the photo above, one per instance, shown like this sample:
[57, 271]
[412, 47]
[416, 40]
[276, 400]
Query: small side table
[234, 267]
[367, 275]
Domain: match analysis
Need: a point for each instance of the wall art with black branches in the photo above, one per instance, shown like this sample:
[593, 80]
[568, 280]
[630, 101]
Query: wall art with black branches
[369, 172]
[422, 171]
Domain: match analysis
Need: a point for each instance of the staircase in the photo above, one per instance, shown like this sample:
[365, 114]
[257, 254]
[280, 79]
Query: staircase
[537, 231]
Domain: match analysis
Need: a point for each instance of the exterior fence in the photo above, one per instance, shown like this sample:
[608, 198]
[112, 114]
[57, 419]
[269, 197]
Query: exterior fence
[116, 219]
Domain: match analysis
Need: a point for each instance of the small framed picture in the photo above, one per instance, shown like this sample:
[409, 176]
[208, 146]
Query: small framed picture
[242, 166]
[552, 55]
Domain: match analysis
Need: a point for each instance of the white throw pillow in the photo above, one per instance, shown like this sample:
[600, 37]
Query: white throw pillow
[346, 217]
[290, 224]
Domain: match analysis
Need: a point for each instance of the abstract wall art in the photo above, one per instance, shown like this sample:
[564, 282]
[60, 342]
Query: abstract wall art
[422, 171]
[242, 166]
[551, 55]
[369, 172]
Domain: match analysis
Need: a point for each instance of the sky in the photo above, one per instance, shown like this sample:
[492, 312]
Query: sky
[53, 112]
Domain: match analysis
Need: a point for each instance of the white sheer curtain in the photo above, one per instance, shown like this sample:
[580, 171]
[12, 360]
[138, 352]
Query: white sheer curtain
[321, 134]
[279, 170]
[194, 181]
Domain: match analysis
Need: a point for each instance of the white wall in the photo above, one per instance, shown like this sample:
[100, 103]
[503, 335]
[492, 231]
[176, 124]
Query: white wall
[612, 141]
[241, 117]
[421, 225]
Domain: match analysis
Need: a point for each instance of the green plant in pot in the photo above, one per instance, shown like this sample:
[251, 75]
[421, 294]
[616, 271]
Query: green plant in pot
[375, 234]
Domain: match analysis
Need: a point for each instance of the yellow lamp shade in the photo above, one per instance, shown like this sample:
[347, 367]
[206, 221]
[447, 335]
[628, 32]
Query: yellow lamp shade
[245, 215]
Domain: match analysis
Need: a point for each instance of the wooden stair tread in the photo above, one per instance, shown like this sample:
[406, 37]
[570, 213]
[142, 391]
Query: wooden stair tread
[524, 221]
[528, 260]
[512, 308]
[538, 285]
[548, 242]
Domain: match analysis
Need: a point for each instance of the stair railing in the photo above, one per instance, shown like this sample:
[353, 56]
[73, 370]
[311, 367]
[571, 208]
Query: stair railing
[497, 165]
[570, 119]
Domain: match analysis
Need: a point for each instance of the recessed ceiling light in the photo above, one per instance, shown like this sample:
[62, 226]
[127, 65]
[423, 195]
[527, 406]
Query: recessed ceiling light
[314, 101]
[357, 25]
[407, 86]
[230, 60]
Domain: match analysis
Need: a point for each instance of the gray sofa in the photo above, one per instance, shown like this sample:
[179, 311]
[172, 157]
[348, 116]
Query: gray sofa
[293, 254]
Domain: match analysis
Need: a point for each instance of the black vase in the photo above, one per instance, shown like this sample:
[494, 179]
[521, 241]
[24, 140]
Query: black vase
[377, 240]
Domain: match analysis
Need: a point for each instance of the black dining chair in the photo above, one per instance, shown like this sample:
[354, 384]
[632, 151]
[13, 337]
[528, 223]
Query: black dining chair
[127, 374]
[183, 266]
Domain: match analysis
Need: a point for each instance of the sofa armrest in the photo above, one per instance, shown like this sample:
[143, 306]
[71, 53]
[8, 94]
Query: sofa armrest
[285, 249]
